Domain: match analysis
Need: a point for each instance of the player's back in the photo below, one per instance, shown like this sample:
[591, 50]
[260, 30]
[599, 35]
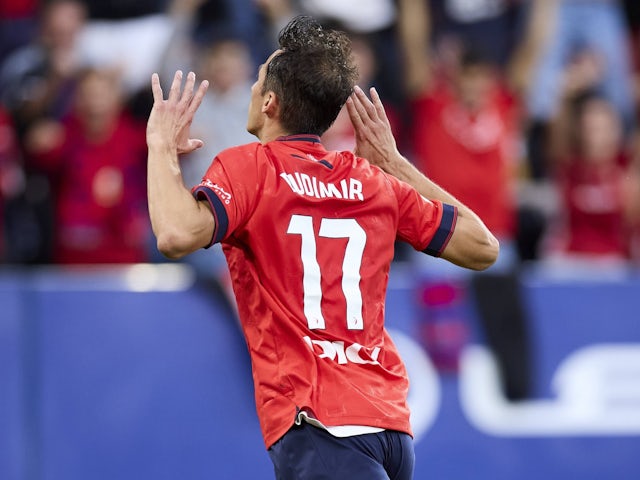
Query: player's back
[309, 238]
[322, 234]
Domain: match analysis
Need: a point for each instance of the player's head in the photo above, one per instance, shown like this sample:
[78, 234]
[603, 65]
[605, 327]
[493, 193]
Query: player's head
[311, 75]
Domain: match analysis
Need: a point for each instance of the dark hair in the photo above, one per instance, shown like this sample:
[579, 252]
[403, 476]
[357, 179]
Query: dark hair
[313, 75]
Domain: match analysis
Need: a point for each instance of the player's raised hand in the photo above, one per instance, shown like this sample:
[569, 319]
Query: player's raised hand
[170, 119]
[374, 139]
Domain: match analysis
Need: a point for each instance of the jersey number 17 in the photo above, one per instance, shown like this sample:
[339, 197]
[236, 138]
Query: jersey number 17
[311, 277]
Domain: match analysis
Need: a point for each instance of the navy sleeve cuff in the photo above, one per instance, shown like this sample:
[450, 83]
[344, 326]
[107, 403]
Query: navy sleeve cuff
[219, 212]
[444, 231]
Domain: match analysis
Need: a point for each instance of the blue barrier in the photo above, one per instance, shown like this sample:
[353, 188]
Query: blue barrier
[138, 372]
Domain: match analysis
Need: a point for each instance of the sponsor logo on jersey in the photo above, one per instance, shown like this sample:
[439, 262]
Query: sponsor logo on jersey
[338, 352]
[307, 185]
[221, 192]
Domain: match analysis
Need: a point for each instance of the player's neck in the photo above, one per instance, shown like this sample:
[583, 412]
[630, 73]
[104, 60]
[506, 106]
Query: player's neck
[270, 131]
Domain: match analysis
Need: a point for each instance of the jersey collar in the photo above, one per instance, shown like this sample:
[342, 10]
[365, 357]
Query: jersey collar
[299, 138]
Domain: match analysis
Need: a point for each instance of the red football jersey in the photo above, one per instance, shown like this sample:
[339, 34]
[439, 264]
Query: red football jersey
[309, 235]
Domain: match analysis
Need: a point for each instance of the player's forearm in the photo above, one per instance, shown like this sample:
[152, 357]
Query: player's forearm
[398, 166]
[180, 223]
[472, 244]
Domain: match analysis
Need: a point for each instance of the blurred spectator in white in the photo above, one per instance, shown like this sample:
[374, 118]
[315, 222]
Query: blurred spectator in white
[95, 160]
[596, 25]
[37, 80]
[130, 35]
[593, 167]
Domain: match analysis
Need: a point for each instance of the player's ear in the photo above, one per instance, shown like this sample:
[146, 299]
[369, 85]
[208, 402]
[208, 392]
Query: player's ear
[270, 104]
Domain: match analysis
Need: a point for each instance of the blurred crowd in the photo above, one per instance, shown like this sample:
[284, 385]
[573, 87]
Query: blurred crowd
[526, 110]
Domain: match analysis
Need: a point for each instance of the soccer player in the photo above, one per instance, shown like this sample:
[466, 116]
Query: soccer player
[308, 235]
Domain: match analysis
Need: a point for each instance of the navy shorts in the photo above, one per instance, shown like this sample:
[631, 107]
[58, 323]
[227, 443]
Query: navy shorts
[310, 453]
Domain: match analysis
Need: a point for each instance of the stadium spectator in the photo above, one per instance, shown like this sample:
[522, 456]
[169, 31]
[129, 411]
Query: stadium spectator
[260, 201]
[95, 161]
[594, 170]
[467, 110]
[37, 80]
[576, 25]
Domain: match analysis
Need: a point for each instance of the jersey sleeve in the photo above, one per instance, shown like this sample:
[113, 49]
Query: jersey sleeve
[230, 186]
[425, 224]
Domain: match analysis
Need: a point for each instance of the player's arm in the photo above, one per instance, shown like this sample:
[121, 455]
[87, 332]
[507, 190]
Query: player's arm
[472, 245]
[180, 223]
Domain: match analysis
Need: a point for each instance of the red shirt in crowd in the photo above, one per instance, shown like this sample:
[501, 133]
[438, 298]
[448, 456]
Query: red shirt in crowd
[100, 195]
[469, 154]
[594, 202]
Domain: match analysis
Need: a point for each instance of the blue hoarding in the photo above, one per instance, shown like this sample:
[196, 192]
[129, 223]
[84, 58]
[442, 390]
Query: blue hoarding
[141, 372]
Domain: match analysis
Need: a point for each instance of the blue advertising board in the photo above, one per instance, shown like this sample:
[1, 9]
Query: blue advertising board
[142, 372]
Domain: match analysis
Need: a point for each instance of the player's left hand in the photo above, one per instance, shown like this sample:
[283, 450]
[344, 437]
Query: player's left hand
[374, 138]
[170, 119]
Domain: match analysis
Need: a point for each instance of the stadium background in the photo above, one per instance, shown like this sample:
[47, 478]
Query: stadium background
[138, 371]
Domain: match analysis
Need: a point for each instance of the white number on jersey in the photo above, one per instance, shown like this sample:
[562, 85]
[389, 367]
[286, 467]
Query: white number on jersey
[311, 277]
